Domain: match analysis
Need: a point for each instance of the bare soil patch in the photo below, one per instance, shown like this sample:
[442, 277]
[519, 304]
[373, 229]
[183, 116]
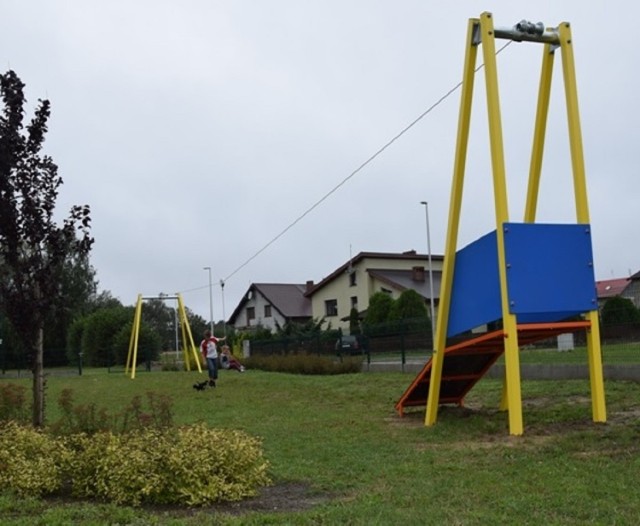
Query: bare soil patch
[285, 497]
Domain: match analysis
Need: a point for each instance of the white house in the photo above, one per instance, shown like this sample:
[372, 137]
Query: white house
[270, 304]
[352, 284]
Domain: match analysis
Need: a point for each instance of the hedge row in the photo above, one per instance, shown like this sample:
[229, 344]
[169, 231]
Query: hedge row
[191, 465]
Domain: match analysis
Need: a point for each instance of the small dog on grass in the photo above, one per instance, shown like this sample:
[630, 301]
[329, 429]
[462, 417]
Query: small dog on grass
[200, 386]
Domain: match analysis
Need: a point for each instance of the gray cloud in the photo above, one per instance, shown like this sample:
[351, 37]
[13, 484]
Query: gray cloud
[199, 130]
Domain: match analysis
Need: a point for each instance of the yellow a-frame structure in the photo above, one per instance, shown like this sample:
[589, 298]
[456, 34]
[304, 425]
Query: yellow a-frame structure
[531, 280]
[187, 338]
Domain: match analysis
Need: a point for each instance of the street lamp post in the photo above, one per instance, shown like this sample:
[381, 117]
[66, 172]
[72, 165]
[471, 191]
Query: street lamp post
[210, 301]
[224, 317]
[433, 322]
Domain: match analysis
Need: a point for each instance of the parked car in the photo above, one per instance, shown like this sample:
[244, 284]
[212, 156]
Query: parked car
[348, 344]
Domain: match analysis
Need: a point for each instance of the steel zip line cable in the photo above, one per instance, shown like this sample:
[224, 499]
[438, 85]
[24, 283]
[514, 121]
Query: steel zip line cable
[352, 174]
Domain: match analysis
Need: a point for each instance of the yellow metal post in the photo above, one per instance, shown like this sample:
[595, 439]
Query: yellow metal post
[455, 204]
[132, 355]
[537, 151]
[582, 213]
[512, 359]
[187, 339]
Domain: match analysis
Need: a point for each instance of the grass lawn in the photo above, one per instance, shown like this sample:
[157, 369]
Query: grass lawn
[339, 450]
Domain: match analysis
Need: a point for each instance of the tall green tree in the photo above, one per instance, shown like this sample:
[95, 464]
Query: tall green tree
[409, 312]
[102, 300]
[379, 308]
[618, 310]
[33, 248]
[79, 286]
[408, 306]
[305, 329]
[161, 318]
[376, 320]
[354, 321]
[102, 338]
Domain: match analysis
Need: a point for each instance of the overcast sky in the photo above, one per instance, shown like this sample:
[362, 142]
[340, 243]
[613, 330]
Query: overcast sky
[200, 130]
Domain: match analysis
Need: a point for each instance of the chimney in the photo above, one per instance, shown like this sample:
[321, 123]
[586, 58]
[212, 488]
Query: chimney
[309, 286]
[417, 274]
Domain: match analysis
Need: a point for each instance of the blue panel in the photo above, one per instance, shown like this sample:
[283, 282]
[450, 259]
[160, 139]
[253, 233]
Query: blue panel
[475, 296]
[549, 270]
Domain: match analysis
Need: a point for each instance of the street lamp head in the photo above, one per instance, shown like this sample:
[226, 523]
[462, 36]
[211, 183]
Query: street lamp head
[423, 202]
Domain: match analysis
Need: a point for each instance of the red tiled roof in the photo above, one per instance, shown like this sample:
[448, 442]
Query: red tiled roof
[609, 288]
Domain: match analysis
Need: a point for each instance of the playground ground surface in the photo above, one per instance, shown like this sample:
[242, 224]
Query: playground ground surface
[341, 455]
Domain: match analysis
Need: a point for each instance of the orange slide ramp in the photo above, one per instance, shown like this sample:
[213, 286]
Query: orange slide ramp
[468, 361]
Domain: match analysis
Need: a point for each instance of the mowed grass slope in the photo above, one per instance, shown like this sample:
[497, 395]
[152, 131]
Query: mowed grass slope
[362, 464]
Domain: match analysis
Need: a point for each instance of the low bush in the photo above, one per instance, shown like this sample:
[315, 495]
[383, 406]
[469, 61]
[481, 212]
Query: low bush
[157, 413]
[31, 461]
[13, 403]
[192, 465]
[169, 362]
[304, 364]
[80, 418]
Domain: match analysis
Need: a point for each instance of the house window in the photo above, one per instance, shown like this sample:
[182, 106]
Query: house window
[354, 302]
[251, 314]
[267, 311]
[352, 278]
[386, 291]
[331, 307]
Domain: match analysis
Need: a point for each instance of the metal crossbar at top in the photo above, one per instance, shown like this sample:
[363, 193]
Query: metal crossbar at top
[523, 31]
[526, 31]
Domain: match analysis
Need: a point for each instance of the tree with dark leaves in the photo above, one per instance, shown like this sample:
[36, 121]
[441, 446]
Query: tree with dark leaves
[33, 248]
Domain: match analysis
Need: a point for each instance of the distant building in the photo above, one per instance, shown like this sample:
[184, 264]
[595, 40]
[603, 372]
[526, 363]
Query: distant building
[609, 288]
[352, 284]
[632, 290]
[271, 304]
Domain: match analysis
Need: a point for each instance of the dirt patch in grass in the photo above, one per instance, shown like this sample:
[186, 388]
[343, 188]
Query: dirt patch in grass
[285, 497]
[535, 434]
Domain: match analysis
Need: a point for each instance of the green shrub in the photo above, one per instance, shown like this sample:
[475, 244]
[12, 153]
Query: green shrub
[83, 461]
[169, 361]
[13, 403]
[124, 469]
[148, 462]
[209, 465]
[90, 419]
[80, 418]
[305, 364]
[194, 465]
[31, 461]
[619, 310]
[158, 413]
